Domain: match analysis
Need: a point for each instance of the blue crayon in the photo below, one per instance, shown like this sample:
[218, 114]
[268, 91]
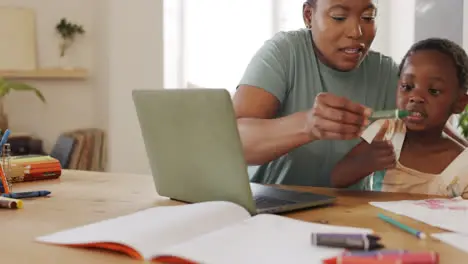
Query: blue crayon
[23, 195]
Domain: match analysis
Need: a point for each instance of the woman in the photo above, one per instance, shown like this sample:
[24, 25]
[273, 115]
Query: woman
[302, 102]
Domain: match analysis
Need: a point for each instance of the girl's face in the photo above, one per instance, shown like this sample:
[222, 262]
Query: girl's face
[343, 30]
[430, 88]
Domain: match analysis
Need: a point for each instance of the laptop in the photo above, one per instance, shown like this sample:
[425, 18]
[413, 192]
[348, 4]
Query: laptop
[195, 153]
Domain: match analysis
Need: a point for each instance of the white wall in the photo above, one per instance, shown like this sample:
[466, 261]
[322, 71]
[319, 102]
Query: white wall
[382, 39]
[70, 103]
[122, 49]
[465, 24]
[401, 27]
[135, 62]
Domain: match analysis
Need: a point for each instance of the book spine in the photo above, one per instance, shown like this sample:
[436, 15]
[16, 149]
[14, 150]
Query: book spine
[44, 169]
[27, 177]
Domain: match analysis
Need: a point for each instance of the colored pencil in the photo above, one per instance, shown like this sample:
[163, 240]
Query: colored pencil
[6, 188]
[402, 226]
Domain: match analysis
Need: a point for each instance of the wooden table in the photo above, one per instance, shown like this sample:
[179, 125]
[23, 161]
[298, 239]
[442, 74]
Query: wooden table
[80, 198]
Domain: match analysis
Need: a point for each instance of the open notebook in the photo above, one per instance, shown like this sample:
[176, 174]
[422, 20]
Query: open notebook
[208, 232]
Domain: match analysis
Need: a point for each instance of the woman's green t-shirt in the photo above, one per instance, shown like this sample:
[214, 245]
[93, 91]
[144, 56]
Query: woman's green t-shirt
[286, 66]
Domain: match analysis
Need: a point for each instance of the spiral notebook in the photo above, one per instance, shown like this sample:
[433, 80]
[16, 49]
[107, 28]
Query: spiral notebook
[209, 232]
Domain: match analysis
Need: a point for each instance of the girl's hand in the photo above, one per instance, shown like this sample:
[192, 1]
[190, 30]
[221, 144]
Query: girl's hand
[380, 154]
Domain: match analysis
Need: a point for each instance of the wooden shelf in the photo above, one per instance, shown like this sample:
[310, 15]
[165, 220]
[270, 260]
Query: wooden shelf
[45, 73]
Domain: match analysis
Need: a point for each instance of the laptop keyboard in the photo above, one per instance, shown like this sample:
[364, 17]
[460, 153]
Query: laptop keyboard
[268, 201]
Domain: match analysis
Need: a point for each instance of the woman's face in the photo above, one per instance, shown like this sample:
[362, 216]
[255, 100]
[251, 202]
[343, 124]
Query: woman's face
[343, 30]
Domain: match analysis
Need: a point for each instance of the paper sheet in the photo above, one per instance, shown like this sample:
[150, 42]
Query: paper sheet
[264, 238]
[459, 241]
[371, 131]
[449, 214]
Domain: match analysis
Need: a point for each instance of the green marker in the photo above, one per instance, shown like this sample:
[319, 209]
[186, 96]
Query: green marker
[386, 114]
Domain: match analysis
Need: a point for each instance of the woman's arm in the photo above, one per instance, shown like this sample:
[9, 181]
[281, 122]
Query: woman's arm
[264, 138]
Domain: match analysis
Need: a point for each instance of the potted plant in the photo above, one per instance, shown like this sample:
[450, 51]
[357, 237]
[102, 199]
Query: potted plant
[67, 31]
[5, 88]
[463, 122]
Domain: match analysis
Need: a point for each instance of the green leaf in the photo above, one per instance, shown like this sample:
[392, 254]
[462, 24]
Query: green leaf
[4, 89]
[69, 30]
[7, 86]
[463, 122]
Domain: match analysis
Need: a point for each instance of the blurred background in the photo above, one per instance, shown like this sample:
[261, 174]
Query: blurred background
[156, 44]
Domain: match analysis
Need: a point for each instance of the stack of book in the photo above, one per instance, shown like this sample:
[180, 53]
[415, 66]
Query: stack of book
[33, 168]
[89, 149]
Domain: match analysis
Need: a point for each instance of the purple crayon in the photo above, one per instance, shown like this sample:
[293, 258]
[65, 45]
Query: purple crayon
[376, 253]
[348, 241]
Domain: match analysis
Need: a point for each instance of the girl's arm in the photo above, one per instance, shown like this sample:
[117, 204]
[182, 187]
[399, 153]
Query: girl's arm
[364, 159]
[352, 168]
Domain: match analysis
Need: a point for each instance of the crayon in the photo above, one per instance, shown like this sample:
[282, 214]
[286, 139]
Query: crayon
[22, 195]
[10, 203]
[351, 243]
[407, 258]
[386, 114]
[375, 253]
[414, 257]
[359, 261]
[358, 236]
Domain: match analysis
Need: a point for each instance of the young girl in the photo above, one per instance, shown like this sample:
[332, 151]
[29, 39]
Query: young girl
[413, 154]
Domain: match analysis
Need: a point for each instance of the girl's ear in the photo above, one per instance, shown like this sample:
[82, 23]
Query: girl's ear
[461, 103]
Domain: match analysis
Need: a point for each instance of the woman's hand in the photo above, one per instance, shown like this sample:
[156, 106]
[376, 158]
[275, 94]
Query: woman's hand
[335, 117]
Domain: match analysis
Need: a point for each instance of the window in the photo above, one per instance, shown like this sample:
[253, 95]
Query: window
[208, 43]
[173, 43]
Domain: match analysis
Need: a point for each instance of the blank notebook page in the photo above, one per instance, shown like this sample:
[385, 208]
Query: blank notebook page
[261, 239]
[152, 230]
